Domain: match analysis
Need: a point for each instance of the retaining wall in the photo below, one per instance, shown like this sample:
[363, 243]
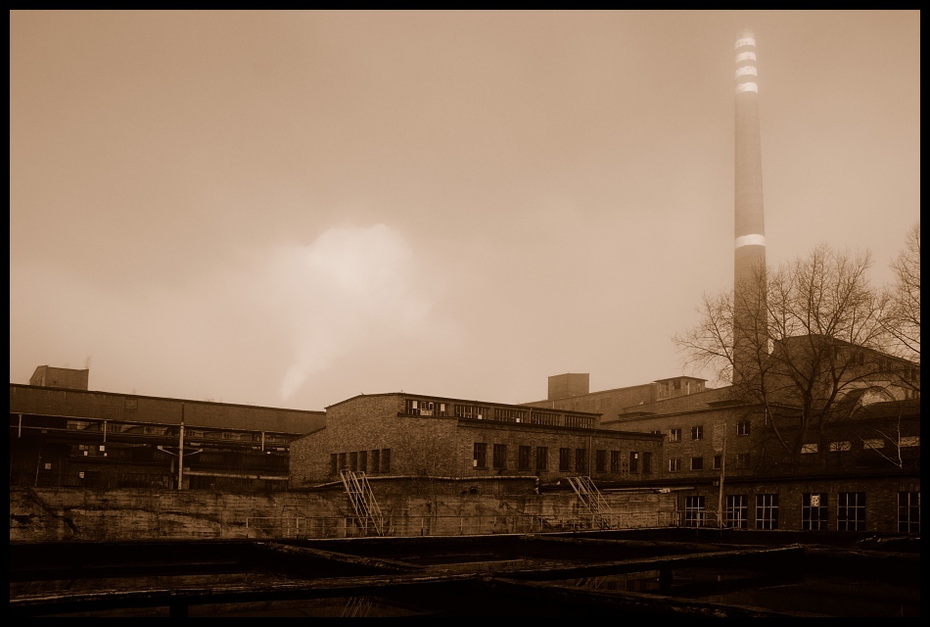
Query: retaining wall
[73, 514]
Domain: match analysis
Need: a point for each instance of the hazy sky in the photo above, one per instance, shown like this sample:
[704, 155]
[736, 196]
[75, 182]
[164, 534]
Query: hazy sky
[290, 209]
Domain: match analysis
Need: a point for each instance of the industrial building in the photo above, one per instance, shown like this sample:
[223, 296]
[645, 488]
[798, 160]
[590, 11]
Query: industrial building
[407, 435]
[736, 462]
[63, 436]
[722, 453]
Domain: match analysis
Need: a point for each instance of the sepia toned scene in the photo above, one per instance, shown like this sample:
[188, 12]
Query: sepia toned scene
[465, 313]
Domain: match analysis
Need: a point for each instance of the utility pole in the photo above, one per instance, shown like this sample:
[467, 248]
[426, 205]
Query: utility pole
[181, 452]
[723, 472]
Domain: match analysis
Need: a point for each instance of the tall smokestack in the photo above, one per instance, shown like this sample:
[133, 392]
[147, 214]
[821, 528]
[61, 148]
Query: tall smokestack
[749, 256]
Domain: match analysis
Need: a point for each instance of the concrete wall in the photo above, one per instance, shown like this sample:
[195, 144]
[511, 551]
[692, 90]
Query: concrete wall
[441, 508]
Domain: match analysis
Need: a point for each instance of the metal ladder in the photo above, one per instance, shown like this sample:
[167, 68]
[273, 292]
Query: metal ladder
[592, 499]
[363, 501]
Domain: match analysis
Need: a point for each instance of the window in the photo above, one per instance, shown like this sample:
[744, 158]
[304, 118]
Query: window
[615, 461]
[333, 464]
[353, 461]
[565, 459]
[742, 460]
[697, 432]
[850, 511]
[718, 462]
[694, 511]
[873, 443]
[697, 463]
[385, 460]
[475, 412]
[509, 415]
[342, 461]
[523, 458]
[737, 511]
[814, 512]
[909, 512]
[414, 407]
[375, 460]
[674, 464]
[742, 427]
[480, 457]
[363, 461]
[909, 440]
[500, 456]
[810, 447]
[674, 435]
[647, 463]
[542, 457]
[581, 459]
[766, 511]
[600, 461]
[840, 446]
[634, 461]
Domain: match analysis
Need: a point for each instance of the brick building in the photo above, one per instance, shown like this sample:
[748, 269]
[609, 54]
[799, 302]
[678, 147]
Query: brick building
[855, 468]
[406, 435]
[570, 391]
[52, 377]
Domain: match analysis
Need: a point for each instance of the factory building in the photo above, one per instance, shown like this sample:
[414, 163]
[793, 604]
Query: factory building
[735, 461]
[68, 436]
[407, 435]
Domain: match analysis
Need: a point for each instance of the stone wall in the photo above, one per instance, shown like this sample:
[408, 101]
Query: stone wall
[441, 508]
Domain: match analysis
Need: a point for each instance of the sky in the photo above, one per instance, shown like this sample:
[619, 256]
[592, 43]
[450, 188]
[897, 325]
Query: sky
[289, 209]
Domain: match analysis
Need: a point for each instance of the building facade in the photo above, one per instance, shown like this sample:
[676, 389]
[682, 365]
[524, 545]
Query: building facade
[407, 435]
[52, 377]
[78, 438]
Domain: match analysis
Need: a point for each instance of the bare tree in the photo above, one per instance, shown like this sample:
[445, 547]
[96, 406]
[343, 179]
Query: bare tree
[902, 320]
[819, 336]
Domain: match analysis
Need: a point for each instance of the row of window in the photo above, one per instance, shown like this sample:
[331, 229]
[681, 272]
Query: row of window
[697, 463]
[569, 459]
[697, 431]
[867, 444]
[815, 511]
[373, 462]
[417, 407]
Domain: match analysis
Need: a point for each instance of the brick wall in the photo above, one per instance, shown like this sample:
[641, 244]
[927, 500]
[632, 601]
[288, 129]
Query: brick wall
[443, 446]
[881, 499]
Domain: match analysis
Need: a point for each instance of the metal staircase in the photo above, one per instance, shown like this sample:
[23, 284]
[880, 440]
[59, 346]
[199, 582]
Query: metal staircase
[363, 501]
[592, 499]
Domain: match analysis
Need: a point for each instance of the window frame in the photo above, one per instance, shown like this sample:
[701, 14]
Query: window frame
[850, 511]
[736, 511]
[499, 457]
[600, 460]
[542, 458]
[815, 517]
[523, 457]
[909, 512]
[480, 455]
[767, 511]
